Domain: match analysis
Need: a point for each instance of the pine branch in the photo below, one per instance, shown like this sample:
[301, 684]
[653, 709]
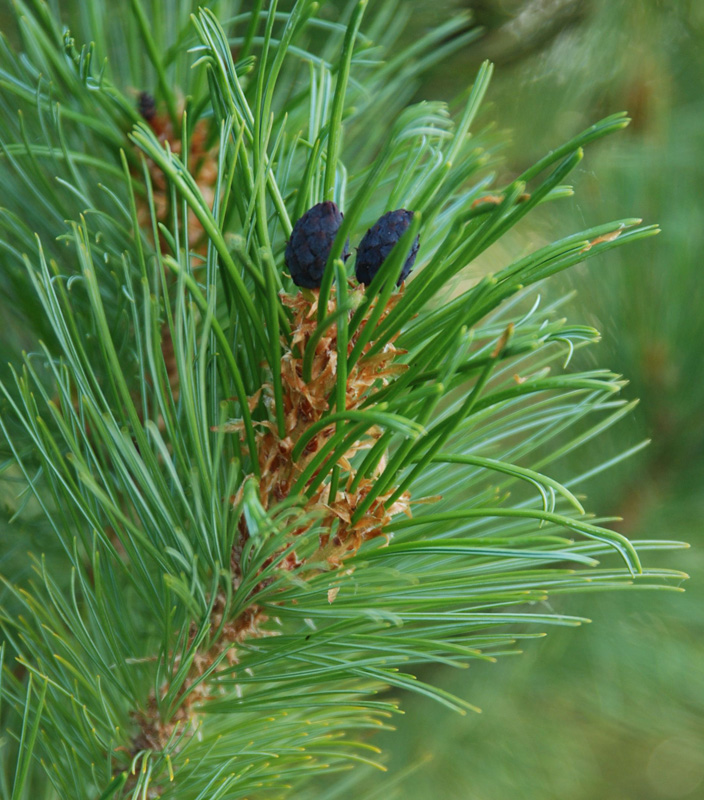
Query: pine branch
[223, 458]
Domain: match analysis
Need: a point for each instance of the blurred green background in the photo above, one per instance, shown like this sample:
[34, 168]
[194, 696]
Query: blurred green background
[613, 710]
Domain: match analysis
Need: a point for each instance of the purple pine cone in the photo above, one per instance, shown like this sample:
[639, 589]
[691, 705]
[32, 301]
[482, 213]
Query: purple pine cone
[379, 241]
[311, 240]
[146, 105]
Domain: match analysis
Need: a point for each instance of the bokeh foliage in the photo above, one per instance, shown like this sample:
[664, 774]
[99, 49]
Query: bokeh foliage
[614, 710]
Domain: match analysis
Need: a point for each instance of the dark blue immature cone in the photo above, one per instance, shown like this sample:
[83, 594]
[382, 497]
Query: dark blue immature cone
[311, 240]
[146, 105]
[379, 241]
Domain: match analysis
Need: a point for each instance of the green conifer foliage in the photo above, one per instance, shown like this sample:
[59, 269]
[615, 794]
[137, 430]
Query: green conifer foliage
[254, 509]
